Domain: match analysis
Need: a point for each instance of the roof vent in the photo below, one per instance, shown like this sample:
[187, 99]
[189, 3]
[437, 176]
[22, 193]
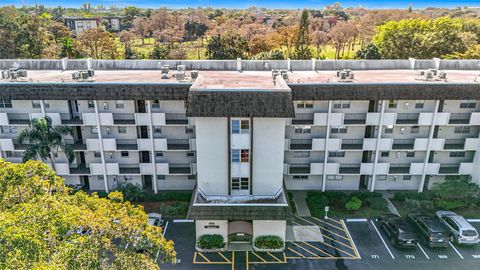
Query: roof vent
[431, 75]
[194, 74]
[83, 75]
[345, 75]
[165, 70]
[14, 75]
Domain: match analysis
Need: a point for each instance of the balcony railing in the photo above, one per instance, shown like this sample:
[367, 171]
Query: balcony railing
[303, 119]
[80, 169]
[178, 144]
[459, 118]
[407, 118]
[129, 168]
[19, 146]
[127, 144]
[179, 168]
[454, 144]
[176, 119]
[349, 144]
[300, 144]
[403, 144]
[349, 169]
[19, 118]
[355, 118]
[399, 168]
[124, 119]
[299, 169]
[76, 144]
[71, 118]
[449, 168]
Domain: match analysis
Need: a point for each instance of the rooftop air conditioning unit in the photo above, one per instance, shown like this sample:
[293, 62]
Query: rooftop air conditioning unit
[428, 75]
[442, 75]
[91, 72]
[22, 73]
[194, 74]
[165, 69]
[180, 75]
[181, 68]
[275, 73]
[5, 74]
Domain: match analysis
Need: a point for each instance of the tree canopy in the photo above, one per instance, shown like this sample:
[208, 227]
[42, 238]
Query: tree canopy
[44, 226]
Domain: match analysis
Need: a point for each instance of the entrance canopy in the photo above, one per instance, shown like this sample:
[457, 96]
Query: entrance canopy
[235, 227]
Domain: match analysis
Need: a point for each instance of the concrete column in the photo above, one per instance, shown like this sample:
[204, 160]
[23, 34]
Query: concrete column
[377, 147]
[64, 63]
[152, 145]
[102, 153]
[325, 155]
[429, 146]
[313, 63]
[89, 63]
[239, 64]
[42, 107]
[289, 66]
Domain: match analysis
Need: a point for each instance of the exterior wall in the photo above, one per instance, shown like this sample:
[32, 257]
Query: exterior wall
[269, 227]
[222, 230]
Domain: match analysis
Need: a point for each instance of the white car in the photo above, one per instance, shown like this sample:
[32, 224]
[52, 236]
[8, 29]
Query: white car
[461, 231]
[155, 219]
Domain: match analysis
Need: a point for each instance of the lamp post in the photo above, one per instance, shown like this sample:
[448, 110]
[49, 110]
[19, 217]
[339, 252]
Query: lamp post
[326, 211]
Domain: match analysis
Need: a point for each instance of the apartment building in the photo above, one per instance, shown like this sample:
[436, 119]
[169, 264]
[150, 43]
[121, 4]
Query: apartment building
[81, 24]
[240, 134]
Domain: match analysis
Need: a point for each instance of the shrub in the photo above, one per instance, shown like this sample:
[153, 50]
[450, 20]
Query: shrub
[210, 241]
[353, 204]
[292, 203]
[337, 197]
[132, 192]
[419, 205]
[268, 242]
[377, 203]
[316, 203]
[449, 205]
[364, 195]
[178, 209]
[162, 196]
[403, 195]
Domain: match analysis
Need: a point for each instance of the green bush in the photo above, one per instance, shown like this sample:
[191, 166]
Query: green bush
[291, 202]
[403, 195]
[176, 210]
[316, 203]
[132, 192]
[162, 196]
[377, 203]
[419, 205]
[268, 242]
[449, 205]
[336, 197]
[353, 204]
[364, 195]
[210, 241]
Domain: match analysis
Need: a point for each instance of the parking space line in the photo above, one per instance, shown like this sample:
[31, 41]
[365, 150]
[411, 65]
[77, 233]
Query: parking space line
[323, 228]
[325, 236]
[350, 239]
[381, 238]
[315, 255]
[334, 226]
[276, 257]
[258, 256]
[322, 251]
[204, 257]
[328, 245]
[455, 249]
[296, 252]
[423, 251]
[225, 258]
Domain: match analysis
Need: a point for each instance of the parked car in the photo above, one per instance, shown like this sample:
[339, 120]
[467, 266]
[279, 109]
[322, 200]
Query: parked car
[398, 231]
[155, 219]
[461, 232]
[429, 230]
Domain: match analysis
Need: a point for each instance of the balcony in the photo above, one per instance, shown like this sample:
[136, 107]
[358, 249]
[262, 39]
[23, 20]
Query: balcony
[403, 144]
[176, 119]
[349, 169]
[449, 169]
[276, 199]
[129, 168]
[355, 119]
[451, 144]
[71, 118]
[348, 144]
[303, 119]
[179, 168]
[299, 169]
[127, 144]
[76, 144]
[124, 119]
[399, 168]
[19, 146]
[300, 144]
[407, 118]
[459, 119]
[80, 170]
[178, 144]
[19, 118]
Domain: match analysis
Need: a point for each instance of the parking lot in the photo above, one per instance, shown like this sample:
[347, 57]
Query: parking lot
[346, 244]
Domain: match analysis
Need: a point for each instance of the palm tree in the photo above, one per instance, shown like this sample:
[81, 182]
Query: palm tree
[45, 140]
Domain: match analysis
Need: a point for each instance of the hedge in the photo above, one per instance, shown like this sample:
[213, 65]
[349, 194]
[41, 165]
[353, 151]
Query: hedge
[210, 241]
[161, 196]
[268, 242]
[377, 203]
[403, 195]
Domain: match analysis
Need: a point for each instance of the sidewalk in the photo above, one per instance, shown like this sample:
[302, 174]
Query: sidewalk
[300, 200]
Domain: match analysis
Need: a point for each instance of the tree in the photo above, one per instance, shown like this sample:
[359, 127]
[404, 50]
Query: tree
[271, 55]
[98, 44]
[45, 226]
[369, 52]
[302, 43]
[227, 46]
[45, 140]
[320, 39]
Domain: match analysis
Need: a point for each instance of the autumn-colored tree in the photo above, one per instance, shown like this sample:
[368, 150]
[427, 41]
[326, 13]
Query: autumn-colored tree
[285, 36]
[98, 44]
[320, 39]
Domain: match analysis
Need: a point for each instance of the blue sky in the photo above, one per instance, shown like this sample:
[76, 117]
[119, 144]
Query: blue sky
[247, 3]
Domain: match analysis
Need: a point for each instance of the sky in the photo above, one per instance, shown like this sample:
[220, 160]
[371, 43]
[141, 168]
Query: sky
[372, 4]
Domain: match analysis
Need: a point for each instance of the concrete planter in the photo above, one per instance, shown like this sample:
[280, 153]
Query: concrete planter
[269, 250]
[212, 250]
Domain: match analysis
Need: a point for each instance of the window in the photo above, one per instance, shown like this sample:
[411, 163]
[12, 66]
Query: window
[161, 177]
[336, 154]
[300, 177]
[119, 104]
[457, 154]
[190, 154]
[189, 130]
[157, 130]
[240, 126]
[341, 105]
[303, 130]
[91, 104]
[334, 177]
[5, 103]
[235, 126]
[244, 155]
[338, 130]
[388, 130]
[407, 177]
[305, 104]
[240, 183]
[468, 104]
[410, 154]
[8, 130]
[127, 178]
[385, 154]
[419, 104]
[124, 153]
[97, 154]
[382, 177]
[94, 130]
[191, 177]
[301, 154]
[235, 155]
[36, 104]
[159, 154]
[392, 104]
[462, 129]
[122, 130]
[414, 129]
[155, 104]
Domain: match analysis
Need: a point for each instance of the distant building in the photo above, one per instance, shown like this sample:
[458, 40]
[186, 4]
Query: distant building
[78, 25]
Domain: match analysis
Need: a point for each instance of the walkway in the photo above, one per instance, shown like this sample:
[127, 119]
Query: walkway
[300, 200]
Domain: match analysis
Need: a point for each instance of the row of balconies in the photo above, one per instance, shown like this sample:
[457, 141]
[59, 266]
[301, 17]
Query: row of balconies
[90, 119]
[386, 144]
[373, 119]
[382, 168]
[127, 169]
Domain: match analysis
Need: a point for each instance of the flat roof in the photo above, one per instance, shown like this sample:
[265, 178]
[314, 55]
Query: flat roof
[213, 79]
